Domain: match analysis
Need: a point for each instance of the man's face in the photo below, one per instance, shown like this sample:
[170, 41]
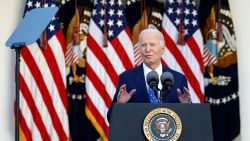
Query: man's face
[151, 49]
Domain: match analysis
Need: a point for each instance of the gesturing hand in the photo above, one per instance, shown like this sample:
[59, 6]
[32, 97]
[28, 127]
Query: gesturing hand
[123, 96]
[184, 97]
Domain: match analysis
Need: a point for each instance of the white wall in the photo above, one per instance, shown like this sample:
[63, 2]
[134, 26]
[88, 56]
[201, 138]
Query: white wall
[241, 18]
[10, 14]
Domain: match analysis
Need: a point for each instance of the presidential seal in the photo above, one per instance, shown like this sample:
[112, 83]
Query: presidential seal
[162, 124]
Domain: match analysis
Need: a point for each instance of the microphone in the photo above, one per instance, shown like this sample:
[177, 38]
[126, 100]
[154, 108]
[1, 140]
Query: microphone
[167, 81]
[152, 79]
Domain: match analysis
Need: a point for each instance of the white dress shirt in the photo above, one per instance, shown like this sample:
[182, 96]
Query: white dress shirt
[146, 70]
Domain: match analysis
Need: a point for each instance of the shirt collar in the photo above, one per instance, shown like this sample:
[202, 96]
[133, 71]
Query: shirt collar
[146, 70]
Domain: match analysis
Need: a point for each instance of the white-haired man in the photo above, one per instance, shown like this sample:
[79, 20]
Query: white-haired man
[132, 86]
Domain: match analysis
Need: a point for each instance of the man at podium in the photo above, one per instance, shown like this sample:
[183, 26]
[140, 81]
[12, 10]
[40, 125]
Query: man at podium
[141, 84]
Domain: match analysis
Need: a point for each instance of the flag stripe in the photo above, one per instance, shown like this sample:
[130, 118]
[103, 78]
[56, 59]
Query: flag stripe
[69, 52]
[137, 53]
[58, 86]
[129, 39]
[44, 90]
[192, 44]
[29, 119]
[137, 56]
[44, 65]
[25, 129]
[208, 58]
[96, 49]
[163, 62]
[102, 75]
[212, 61]
[60, 38]
[184, 66]
[57, 77]
[98, 116]
[99, 86]
[35, 113]
[97, 101]
[125, 41]
[57, 46]
[71, 56]
[68, 58]
[122, 53]
[37, 96]
[137, 60]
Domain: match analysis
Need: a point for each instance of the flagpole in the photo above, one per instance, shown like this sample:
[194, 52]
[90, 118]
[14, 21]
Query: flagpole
[17, 49]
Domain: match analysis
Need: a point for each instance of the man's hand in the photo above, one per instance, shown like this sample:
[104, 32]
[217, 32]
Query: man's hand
[123, 96]
[184, 97]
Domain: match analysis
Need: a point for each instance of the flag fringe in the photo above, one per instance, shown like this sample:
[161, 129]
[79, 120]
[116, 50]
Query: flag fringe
[22, 135]
[95, 124]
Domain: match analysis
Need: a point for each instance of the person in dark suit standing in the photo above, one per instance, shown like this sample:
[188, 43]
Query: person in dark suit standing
[132, 86]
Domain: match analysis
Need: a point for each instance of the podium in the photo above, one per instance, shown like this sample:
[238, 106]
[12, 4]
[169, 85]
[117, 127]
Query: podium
[127, 121]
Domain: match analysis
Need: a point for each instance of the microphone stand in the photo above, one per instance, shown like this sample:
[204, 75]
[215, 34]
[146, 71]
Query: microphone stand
[164, 88]
[156, 89]
[160, 97]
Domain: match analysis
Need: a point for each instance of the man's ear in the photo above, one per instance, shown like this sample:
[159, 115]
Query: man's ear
[163, 50]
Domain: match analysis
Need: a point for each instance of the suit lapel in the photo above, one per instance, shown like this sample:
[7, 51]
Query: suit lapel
[140, 81]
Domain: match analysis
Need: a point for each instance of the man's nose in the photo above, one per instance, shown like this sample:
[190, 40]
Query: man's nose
[148, 48]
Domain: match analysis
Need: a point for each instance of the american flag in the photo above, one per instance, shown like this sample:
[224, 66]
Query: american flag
[43, 101]
[104, 64]
[187, 58]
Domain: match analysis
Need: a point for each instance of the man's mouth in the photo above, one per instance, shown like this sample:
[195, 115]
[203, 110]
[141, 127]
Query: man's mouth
[148, 55]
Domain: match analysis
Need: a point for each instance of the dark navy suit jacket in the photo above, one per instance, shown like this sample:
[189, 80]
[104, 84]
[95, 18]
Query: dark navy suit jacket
[134, 79]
